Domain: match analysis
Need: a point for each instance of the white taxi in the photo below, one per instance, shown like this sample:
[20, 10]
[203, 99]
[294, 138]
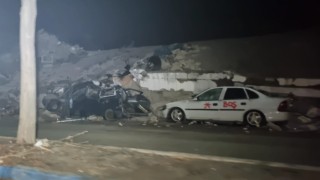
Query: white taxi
[229, 104]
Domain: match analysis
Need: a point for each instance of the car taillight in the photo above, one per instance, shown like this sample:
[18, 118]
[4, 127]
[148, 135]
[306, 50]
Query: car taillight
[283, 106]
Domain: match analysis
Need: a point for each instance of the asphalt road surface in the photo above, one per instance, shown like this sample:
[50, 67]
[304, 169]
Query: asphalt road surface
[219, 140]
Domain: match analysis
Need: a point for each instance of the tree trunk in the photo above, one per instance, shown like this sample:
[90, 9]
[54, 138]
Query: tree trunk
[28, 93]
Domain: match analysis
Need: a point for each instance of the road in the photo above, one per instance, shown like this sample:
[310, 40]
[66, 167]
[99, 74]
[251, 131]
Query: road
[221, 140]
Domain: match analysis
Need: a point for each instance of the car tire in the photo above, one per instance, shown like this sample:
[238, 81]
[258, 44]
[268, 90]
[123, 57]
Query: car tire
[255, 118]
[54, 105]
[109, 115]
[177, 115]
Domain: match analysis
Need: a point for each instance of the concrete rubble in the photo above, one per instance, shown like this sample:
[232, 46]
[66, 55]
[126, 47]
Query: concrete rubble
[178, 70]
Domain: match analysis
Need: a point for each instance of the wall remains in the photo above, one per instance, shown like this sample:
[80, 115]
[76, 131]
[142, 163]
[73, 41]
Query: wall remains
[195, 82]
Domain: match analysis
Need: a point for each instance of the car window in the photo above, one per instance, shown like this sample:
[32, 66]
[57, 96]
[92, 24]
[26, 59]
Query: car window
[252, 95]
[210, 95]
[235, 93]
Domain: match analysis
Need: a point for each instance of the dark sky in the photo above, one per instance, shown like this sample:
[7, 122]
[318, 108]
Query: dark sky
[105, 24]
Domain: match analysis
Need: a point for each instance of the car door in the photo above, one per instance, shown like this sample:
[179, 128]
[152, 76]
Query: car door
[205, 106]
[235, 103]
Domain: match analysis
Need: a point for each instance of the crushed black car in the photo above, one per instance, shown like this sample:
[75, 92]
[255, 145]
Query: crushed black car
[94, 98]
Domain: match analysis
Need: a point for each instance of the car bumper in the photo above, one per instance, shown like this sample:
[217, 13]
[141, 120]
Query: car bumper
[278, 116]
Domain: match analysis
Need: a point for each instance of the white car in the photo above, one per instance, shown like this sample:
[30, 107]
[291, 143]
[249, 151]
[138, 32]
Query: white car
[241, 104]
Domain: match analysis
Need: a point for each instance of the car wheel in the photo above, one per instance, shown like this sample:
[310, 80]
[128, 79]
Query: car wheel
[177, 115]
[53, 105]
[255, 118]
[109, 115]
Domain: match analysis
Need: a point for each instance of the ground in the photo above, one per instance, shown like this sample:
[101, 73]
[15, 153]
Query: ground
[186, 151]
[99, 162]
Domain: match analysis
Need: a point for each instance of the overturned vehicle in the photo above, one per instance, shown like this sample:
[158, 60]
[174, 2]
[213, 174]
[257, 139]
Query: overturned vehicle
[94, 98]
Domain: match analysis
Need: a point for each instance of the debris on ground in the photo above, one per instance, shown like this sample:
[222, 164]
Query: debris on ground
[85, 161]
[95, 118]
[71, 138]
[246, 130]
[304, 119]
[313, 112]
[47, 116]
[272, 126]
[192, 122]
[70, 120]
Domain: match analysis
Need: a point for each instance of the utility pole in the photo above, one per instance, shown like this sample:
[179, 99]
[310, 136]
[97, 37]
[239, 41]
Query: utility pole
[28, 82]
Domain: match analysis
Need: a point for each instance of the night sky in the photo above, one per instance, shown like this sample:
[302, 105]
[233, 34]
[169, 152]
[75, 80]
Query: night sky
[105, 24]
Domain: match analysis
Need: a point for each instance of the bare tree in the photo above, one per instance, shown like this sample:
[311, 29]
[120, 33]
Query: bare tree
[28, 95]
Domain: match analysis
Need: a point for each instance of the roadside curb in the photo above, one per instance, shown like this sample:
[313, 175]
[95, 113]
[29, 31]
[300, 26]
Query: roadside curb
[219, 159]
[7, 138]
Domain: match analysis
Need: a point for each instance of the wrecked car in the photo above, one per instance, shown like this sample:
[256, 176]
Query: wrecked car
[93, 98]
[229, 104]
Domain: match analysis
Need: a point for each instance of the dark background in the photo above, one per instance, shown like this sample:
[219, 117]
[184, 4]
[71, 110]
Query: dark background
[105, 24]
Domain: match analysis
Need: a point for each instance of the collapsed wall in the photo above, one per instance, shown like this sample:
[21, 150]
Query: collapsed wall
[279, 63]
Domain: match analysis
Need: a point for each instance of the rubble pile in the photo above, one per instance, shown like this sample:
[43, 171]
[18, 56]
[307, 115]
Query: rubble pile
[61, 63]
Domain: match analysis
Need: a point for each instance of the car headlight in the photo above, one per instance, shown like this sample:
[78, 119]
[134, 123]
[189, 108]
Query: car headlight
[161, 108]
